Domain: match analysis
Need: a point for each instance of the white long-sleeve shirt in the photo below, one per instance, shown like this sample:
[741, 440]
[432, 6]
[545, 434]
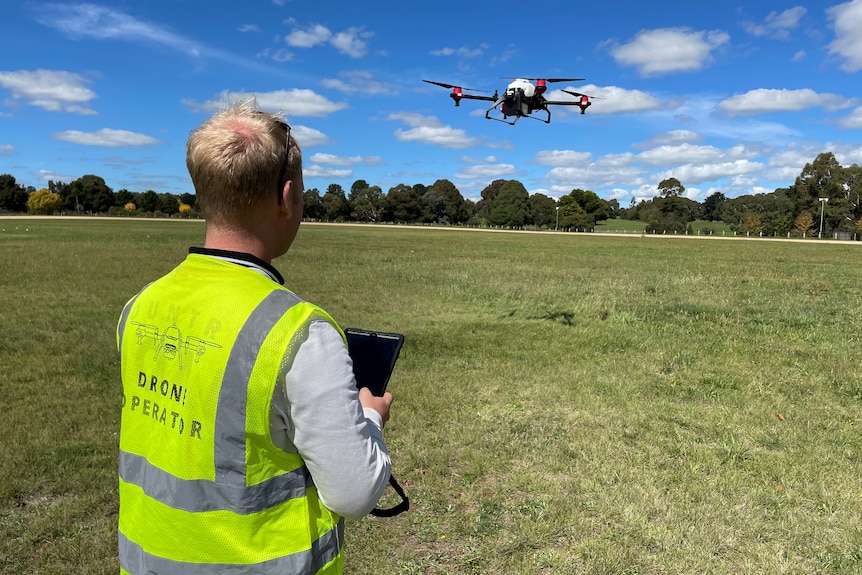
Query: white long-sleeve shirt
[319, 416]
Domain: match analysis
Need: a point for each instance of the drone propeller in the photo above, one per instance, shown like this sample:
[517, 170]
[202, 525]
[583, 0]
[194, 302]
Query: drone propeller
[579, 95]
[452, 86]
[549, 80]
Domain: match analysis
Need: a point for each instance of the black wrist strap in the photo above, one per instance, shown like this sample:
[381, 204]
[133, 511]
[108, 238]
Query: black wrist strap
[397, 509]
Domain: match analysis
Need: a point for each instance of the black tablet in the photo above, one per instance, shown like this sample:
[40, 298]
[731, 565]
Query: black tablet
[374, 354]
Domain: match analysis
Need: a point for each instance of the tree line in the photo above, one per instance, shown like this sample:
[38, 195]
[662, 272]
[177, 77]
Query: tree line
[824, 190]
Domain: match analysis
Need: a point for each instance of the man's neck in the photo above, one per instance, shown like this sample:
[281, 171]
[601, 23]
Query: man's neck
[236, 241]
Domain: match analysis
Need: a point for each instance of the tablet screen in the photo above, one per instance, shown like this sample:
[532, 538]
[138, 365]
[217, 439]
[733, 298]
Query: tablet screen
[374, 354]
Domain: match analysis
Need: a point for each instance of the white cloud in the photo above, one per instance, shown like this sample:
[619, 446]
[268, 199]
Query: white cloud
[610, 99]
[463, 51]
[309, 37]
[563, 158]
[675, 137]
[429, 130]
[106, 138]
[315, 171]
[679, 154]
[308, 137]
[359, 82]
[296, 102]
[46, 175]
[276, 55]
[853, 121]
[847, 19]
[698, 174]
[767, 100]
[776, 25]
[333, 160]
[667, 50]
[486, 171]
[249, 28]
[608, 171]
[352, 42]
[485, 160]
[6, 149]
[52, 90]
[101, 22]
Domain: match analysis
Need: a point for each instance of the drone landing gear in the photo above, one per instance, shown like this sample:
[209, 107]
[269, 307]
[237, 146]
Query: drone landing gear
[517, 117]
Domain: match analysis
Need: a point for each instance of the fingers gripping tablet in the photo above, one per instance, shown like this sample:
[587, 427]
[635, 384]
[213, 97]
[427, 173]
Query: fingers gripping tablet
[374, 354]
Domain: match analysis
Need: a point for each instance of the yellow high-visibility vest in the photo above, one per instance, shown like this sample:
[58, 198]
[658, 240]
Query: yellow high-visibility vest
[202, 487]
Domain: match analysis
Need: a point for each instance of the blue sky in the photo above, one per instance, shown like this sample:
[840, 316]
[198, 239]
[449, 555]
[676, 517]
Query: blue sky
[725, 96]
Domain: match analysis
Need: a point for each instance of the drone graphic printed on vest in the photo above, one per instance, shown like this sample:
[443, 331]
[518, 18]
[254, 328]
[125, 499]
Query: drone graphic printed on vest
[169, 343]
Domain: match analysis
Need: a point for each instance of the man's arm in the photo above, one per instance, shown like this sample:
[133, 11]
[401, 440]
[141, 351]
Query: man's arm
[340, 441]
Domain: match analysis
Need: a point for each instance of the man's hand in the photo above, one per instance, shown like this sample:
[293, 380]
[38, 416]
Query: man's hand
[378, 404]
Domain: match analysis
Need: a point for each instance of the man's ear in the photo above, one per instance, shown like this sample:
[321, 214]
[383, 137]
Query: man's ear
[288, 200]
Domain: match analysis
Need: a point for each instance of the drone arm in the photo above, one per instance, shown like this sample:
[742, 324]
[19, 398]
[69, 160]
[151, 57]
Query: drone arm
[474, 97]
[583, 105]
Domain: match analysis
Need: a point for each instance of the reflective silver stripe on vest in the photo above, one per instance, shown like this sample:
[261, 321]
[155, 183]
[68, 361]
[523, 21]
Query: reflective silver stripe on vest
[136, 561]
[200, 495]
[230, 414]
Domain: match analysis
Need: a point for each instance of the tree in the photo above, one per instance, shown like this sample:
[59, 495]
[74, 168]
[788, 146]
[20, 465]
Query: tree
[123, 197]
[751, 224]
[597, 208]
[670, 188]
[357, 187]
[489, 194]
[712, 206]
[819, 179]
[149, 201]
[572, 215]
[130, 207]
[88, 194]
[13, 197]
[189, 199]
[44, 202]
[169, 204]
[454, 209]
[405, 204]
[804, 224]
[541, 210]
[510, 205]
[312, 205]
[335, 204]
[367, 205]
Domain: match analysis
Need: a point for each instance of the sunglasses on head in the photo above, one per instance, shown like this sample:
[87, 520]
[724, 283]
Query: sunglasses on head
[280, 183]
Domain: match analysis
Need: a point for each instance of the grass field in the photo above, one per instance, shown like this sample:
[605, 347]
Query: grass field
[565, 403]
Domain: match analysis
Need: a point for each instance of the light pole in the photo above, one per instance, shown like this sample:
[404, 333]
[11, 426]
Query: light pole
[556, 227]
[822, 208]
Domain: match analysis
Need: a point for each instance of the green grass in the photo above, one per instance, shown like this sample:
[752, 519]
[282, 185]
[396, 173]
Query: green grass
[564, 403]
[618, 225]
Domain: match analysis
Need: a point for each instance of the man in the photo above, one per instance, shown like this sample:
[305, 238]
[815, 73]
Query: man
[244, 441]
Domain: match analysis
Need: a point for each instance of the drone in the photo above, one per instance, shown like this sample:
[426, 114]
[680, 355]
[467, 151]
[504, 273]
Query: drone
[521, 98]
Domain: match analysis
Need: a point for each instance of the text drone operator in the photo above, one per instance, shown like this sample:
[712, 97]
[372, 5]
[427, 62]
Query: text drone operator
[244, 441]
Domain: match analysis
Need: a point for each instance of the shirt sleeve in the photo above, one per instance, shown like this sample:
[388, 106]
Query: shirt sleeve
[340, 441]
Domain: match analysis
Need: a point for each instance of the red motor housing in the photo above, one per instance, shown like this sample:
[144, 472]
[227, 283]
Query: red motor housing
[584, 104]
[456, 95]
[541, 86]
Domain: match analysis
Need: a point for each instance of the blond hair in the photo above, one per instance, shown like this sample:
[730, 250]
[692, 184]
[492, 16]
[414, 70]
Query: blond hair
[234, 159]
